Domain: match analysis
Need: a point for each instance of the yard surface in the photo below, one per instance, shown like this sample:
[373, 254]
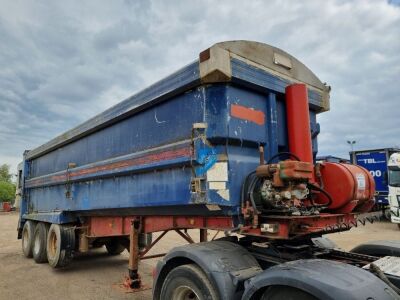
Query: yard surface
[99, 276]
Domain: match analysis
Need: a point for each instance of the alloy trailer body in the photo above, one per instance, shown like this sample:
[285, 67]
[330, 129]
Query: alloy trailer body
[226, 143]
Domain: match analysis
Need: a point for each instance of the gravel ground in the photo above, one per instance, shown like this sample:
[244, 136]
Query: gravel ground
[99, 276]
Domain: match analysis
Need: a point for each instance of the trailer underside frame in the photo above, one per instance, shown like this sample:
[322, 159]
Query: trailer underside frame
[292, 235]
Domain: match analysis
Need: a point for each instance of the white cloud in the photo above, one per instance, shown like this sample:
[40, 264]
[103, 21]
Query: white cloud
[62, 62]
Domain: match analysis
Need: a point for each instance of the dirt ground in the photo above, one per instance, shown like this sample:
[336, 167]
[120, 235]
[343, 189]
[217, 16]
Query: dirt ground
[98, 276]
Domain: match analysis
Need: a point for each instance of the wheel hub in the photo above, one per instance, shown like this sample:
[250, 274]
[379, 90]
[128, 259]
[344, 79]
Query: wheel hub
[184, 293]
[53, 244]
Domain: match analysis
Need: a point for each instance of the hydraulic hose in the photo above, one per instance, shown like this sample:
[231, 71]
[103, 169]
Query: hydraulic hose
[251, 182]
[248, 187]
[317, 188]
[379, 273]
[290, 154]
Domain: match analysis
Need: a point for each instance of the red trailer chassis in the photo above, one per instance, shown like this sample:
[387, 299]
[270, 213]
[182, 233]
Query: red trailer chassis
[279, 228]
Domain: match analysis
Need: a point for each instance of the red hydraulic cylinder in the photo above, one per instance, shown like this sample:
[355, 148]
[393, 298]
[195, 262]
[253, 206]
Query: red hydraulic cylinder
[298, 122]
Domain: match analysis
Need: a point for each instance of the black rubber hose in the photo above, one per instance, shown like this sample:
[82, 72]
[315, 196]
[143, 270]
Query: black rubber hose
[251, 192]
[314, 187]
[283, 153]
[248, 186]
[243, 191]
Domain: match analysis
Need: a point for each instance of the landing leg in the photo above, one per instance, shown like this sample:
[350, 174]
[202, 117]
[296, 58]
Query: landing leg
[135, 282]
[203, 235]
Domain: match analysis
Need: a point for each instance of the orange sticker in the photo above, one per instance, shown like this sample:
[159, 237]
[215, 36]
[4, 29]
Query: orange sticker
[249, 114]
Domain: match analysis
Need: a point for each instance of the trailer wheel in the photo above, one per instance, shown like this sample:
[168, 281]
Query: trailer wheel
[187, 282]
[27, 238]
[40, 243]
[60, 245]
[114, 247]
[279, 292]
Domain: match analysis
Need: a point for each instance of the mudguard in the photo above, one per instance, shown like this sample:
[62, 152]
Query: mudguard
[379, 248]
[227, 266]
[323, 279]
[324, 242]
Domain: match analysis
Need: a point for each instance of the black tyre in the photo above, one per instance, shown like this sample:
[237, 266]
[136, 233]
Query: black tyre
[39, 251]
[114, 247]
[60, 245]
[28, 232]
[280, 292]
[387, 214]
[187, 282]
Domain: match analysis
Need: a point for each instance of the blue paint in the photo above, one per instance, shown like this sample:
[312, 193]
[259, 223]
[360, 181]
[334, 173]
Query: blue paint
[375, 161]
[272, 126]
[155, 121]
[206, 157]
[252, 76]
[52, 217]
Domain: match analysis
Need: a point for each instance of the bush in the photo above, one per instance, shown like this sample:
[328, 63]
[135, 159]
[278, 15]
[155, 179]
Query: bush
[7, 191]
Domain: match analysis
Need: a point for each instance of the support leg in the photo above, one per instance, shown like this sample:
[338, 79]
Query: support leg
[203, 235]
[135, 281]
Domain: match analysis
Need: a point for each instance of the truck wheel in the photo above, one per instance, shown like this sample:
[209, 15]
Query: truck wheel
[27, 238]
[60, 245]
[39, 243]
[114, 247]
[187, 282]
[387, 214]
[285, 292]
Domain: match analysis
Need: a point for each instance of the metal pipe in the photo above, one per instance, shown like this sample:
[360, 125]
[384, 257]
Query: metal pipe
[153, 256]
[152, 244]
[298, 122]
[203, 235]
[185, 236]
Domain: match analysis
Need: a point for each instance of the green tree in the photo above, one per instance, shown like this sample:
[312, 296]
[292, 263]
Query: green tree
[7, 191]
[5, 173]
[7, 188]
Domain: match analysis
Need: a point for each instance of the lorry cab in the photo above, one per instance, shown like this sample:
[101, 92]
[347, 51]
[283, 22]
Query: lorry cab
[376, 162]
[394, 187]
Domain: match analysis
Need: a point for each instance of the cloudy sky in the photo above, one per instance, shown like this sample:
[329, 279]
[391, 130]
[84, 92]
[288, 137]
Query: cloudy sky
[62, 62]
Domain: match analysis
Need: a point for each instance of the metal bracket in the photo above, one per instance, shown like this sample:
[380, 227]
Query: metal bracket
[197, 185]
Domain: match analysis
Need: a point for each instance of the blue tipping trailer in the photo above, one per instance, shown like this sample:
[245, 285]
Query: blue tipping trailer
[181, 154]
[124, 159]
[376, 162]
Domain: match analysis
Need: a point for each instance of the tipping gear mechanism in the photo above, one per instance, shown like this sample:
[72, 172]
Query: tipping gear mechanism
[284, 188]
